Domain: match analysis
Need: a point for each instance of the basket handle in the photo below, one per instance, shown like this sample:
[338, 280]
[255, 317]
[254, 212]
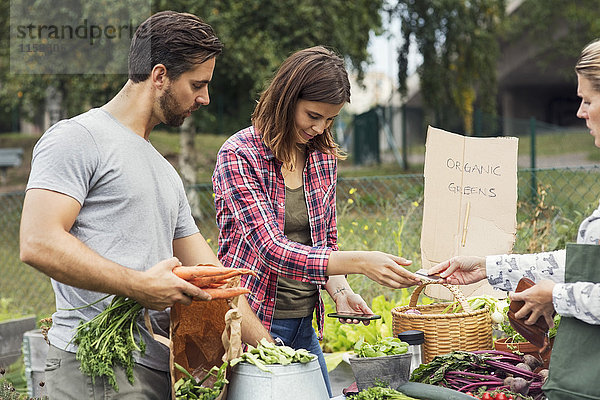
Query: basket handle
[455, 290]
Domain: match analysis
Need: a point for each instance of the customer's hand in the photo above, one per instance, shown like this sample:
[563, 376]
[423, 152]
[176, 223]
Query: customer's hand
[538, 302]
[385, 269]
[388, 270]
[460, 270]
[351, 304]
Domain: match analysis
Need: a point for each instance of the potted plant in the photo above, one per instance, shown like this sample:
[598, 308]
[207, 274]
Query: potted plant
[387, 360]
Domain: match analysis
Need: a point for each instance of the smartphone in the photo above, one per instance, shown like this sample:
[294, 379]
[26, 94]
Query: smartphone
[361, 317]
[423, 274]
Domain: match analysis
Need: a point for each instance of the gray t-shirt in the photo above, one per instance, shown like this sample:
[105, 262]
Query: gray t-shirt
[133, 205]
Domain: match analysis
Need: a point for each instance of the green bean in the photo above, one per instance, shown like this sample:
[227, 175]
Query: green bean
[267, 353]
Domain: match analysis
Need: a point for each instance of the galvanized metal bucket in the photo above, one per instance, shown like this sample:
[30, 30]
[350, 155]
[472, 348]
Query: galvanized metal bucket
[294, 381]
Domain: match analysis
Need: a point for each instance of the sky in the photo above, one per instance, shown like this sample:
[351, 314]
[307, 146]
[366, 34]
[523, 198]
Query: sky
[383, 50]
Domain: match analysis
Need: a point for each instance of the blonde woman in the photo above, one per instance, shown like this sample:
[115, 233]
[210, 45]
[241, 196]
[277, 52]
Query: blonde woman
[569, 286]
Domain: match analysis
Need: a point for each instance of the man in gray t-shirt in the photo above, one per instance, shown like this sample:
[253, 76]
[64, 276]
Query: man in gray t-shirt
[104, 212]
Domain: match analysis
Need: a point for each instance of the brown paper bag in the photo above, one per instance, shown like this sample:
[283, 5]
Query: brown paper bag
[203, 335]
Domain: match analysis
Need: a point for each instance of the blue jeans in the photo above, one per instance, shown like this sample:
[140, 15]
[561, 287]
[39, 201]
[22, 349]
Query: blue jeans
[298, 333]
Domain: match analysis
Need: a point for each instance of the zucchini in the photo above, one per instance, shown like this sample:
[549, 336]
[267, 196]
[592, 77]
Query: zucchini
[431, 392]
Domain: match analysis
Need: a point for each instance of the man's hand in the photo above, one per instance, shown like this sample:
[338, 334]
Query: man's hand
[159, 288]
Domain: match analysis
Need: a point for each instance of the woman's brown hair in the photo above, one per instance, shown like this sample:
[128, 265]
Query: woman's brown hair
[313, 74]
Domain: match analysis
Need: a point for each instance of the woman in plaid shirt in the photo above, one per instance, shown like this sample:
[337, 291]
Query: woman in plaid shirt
[275, 186]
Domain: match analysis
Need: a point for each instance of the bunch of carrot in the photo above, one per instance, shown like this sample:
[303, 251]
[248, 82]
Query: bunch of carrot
[213, 279]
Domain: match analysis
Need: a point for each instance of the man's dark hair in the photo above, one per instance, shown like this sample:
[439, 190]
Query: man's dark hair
[179, 41]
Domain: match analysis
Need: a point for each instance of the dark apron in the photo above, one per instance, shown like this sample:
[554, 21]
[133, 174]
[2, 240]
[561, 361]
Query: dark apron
[574, 366]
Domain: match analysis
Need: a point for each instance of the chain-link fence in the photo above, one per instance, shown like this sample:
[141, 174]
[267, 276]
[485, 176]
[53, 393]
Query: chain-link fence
[26, 289]
[374, 213]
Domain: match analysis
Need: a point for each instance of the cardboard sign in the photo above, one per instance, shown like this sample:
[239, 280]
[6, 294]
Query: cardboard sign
[470, 201]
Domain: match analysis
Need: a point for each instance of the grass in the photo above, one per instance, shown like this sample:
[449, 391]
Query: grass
[206, 145]
[348, 170]
[7, 310]
[551, 144]
[547, 144]
[167, 143]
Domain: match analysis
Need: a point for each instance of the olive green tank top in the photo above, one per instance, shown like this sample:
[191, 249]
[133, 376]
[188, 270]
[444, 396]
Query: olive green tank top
[295, 299]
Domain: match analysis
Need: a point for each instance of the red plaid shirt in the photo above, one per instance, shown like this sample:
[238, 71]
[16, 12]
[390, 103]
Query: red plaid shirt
[250, 203]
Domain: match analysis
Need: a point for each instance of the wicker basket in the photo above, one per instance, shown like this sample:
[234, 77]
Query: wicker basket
[468, 330]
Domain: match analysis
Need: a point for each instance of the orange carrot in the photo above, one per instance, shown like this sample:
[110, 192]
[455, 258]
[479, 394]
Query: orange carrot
[214, 285]
[226, 293]
[240, 271]
[200, 271]
[208, 280]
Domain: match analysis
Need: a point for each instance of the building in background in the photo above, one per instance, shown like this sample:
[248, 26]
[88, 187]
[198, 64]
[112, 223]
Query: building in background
[531, 83]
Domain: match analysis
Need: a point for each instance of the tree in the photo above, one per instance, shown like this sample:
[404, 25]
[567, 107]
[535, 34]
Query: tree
[259, 34]
[458, 40]
[538, 21]
[40, 64]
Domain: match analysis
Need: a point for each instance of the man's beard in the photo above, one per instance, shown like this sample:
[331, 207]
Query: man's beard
[170, 109]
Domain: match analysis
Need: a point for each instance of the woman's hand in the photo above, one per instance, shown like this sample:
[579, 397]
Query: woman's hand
[461, 270]
[538, 302]
[388, 270]
[351, 303]
[346, 301]
[385, 269]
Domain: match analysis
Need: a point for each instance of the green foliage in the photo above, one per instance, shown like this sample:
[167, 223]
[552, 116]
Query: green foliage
[267, 353]
[258, 36]
[387, 346]
[459, 42]
[108, 338]
[379, 217]
[544, 227]
[381, 391]
[343, 337]
[188, 387]
[459, 45]
[26, 92]
[558, 29]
